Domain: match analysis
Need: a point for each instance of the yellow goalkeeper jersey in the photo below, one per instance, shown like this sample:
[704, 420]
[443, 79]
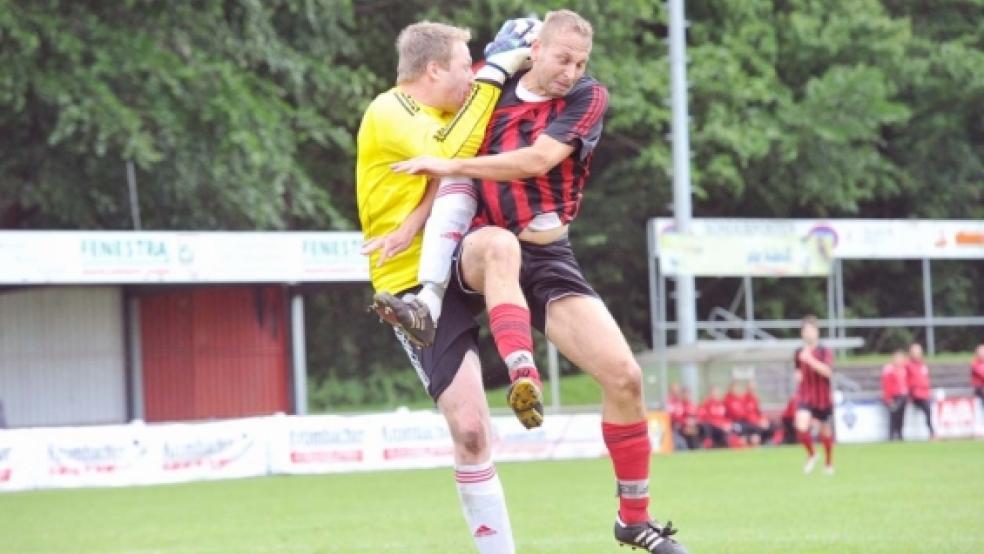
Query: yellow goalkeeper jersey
[395, 127]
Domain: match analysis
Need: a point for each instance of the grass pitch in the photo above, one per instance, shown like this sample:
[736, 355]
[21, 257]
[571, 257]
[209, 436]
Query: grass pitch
[889, 498]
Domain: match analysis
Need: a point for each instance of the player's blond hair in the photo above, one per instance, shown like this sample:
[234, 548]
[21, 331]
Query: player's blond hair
[421, 43]
[565, 21]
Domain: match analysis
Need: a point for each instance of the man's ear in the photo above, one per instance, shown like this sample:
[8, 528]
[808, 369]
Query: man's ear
[433, 69]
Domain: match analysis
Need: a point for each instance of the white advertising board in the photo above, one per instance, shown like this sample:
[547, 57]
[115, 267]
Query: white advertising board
[850, 238]
[72, 257]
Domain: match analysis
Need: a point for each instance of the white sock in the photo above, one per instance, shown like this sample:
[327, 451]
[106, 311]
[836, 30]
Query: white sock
[450, 217]
[432, 295]
[484, 506]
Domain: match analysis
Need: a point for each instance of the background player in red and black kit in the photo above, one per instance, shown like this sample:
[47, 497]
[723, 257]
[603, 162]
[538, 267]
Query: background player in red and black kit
[533, 168]
[814, 401]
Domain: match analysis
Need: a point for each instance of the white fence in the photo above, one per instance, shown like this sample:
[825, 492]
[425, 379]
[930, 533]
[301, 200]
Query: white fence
[141, 454]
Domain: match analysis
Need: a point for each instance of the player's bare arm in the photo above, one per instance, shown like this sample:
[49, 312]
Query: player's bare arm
[819, 367]
[531, 161]
[399, 240]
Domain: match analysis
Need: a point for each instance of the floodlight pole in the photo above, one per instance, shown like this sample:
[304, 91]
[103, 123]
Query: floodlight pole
[682, 211]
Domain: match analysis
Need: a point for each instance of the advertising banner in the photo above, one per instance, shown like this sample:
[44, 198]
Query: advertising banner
[723, 256]
[112, 455]
[956, 417]
[661, 432]
[71, 257]
[847, 238]
[19, 460]
[198, 451]
[322, 444]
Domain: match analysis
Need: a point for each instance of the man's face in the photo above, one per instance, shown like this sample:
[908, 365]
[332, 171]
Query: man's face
[810, 333]
[916, 352]
[899, 359]
[980, 351]
[559, 61]
[453, 82]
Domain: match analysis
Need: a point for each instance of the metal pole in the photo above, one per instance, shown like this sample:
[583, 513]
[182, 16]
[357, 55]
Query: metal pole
[553, 373]
[136, 358]
[663, 369]
[298, 353]
[831, 307]
[131, 184]
[654, 298]
[749, 307]
[928, 304]
[682, 210]
[839, 293]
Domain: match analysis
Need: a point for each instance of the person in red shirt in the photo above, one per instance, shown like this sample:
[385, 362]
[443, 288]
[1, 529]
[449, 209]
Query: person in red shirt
[917, 378]
[763, 429]
[814, 403]
[895, 391]
[734, 404]
[683, 418]
[977, 372]
[713, 415]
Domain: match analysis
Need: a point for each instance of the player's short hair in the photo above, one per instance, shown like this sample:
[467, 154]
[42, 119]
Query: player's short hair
[810, 320]
[421, 43]
[565, 21]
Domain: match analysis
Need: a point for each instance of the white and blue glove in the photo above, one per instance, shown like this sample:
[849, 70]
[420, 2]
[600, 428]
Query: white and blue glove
[509, 51]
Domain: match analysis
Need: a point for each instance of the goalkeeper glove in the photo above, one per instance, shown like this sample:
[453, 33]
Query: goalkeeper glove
[509, 51]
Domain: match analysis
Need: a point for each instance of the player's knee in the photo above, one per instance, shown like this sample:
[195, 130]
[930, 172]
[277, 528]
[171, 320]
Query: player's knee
[626, 380]
[501, 247]
[472, 441]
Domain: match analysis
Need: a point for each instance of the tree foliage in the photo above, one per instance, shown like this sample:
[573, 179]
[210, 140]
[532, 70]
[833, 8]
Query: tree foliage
[241, 115]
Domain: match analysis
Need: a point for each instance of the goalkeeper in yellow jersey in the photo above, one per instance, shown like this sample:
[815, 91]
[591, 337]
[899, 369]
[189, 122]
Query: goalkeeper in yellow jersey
[438, 108]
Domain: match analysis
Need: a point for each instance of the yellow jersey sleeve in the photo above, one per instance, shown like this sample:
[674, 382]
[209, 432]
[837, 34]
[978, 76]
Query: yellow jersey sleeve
[394, 128]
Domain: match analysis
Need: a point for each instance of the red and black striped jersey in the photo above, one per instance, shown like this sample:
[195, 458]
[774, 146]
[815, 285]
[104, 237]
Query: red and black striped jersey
[814, 389]
[575, 119]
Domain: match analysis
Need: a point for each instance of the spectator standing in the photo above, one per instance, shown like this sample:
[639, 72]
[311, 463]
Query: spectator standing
[895, 391]
[917, 379]
[977, 372]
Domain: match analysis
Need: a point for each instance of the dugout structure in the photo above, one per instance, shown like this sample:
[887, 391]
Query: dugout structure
[111, 326]
[803, 248]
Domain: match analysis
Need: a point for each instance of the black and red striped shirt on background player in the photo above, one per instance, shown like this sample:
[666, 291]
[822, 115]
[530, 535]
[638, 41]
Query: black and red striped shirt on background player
[814, 389]
[575, 119]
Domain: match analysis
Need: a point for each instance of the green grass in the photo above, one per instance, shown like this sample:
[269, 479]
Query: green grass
[887, 498]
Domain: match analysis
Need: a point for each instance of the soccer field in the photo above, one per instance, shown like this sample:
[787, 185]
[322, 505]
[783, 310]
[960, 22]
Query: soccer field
[888, 498]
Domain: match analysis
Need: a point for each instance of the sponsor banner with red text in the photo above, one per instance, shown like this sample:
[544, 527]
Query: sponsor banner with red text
[953, 418]
[111, 455]
[215, 450]
[18, 457]
[322, 444]
[956, 417]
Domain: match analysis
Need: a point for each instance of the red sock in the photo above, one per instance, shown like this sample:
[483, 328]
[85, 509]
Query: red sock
[630, 449]
[828, 449]
[807, 439]
[513, 337]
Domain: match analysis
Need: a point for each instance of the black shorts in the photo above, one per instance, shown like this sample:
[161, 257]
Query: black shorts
[457, 334]
[548, 272]
[820, 414]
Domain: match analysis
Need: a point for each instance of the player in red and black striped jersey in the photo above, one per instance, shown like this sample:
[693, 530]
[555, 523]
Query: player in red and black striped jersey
[531, 171]
[521, 117]
[813, 395]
